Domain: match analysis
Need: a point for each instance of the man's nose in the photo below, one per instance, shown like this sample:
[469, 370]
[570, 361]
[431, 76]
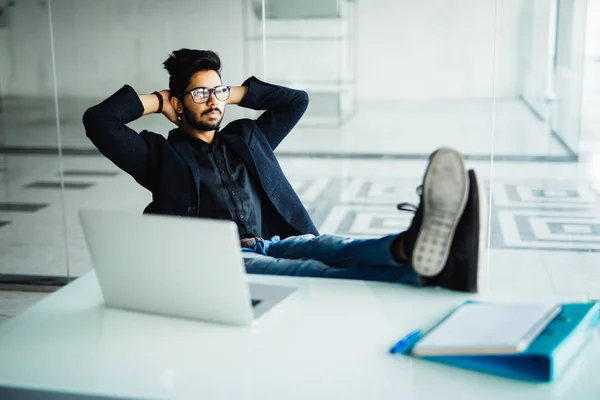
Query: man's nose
[212, 100]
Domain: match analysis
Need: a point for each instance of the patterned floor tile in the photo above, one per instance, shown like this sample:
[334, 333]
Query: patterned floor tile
[363, 191]
[92, 173]
[543, 230]
[365, 221]
[310, 190]
[58, 185]
[546, 215]
[557, 195]
[21, 207]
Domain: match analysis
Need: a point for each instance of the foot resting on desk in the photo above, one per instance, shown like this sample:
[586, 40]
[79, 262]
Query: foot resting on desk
[445, 243]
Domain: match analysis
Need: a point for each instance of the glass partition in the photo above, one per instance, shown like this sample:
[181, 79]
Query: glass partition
[511, 84]
[500, 81]
[389, 82]
[91, 67]
[545, 207]
[32, 218]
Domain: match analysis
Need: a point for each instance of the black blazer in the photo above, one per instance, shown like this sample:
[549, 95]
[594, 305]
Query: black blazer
[167, 167]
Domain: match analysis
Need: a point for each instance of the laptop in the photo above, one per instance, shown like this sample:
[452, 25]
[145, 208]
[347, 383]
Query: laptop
[175, 266]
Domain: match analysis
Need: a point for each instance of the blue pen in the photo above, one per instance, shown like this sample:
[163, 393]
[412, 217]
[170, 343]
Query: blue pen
[408, 341]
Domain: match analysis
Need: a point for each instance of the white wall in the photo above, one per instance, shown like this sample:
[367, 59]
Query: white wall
[593, 28]
[26, 66]
[537, 53]
[100, 45]
[432, 49]
[436, 49]
[568, 79]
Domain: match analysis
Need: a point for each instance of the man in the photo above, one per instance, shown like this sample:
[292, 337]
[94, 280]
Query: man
[231, 173]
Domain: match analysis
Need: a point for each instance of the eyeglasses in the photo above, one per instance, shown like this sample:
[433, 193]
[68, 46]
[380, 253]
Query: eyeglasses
[201, 94]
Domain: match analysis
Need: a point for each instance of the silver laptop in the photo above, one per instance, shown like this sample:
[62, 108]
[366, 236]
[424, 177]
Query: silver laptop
[183, 267]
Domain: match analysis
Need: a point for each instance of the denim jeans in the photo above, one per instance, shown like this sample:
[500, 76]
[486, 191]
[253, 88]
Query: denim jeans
[329, 256]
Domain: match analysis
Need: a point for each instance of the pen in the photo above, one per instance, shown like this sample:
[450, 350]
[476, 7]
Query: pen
[406, 342]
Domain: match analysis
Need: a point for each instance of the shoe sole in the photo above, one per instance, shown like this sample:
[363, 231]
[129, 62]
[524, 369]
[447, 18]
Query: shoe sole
[445, 193]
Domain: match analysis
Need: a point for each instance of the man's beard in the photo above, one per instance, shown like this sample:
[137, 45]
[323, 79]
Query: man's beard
[190, 117]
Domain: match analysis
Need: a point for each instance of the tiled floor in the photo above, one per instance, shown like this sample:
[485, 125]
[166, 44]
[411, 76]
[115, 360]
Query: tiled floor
[417, 127]
[550, 224]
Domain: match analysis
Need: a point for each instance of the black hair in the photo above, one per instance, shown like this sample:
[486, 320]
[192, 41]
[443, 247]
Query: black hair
[182, 64]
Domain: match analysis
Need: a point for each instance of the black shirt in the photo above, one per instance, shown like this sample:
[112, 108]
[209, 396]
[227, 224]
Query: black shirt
[226, 190]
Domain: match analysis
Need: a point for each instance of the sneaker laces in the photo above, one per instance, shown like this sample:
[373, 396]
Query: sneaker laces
[410, 235]
[410, 207]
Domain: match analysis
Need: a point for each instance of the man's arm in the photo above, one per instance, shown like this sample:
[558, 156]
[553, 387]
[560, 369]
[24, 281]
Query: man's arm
[237, 94]
[105, 125]
[284, 107]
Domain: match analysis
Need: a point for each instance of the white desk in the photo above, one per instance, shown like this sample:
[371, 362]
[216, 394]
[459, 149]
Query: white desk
[329, 340]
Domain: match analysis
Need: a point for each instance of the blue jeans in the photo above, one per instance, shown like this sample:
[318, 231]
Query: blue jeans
[329, 256]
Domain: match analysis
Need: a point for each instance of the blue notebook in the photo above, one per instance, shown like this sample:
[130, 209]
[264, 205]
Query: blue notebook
[558, 336]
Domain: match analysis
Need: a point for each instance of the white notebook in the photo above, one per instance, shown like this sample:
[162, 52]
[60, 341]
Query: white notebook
[487, 328]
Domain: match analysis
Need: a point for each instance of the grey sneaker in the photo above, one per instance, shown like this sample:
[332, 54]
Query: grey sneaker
[428, 240]
[449, 228]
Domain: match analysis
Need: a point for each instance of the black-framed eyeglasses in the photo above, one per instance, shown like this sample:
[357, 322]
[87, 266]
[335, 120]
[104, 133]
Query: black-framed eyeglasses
[201, 94]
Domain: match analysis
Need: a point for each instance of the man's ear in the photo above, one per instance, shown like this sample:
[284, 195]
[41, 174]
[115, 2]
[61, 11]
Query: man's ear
[177, 106]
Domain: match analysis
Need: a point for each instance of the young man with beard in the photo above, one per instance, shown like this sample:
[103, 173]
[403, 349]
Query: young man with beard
[231, 173]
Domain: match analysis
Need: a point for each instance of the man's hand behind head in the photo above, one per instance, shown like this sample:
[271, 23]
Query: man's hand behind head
[168, 110]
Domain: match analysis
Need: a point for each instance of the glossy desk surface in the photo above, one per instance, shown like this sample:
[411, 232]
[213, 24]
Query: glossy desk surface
[329, 339]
